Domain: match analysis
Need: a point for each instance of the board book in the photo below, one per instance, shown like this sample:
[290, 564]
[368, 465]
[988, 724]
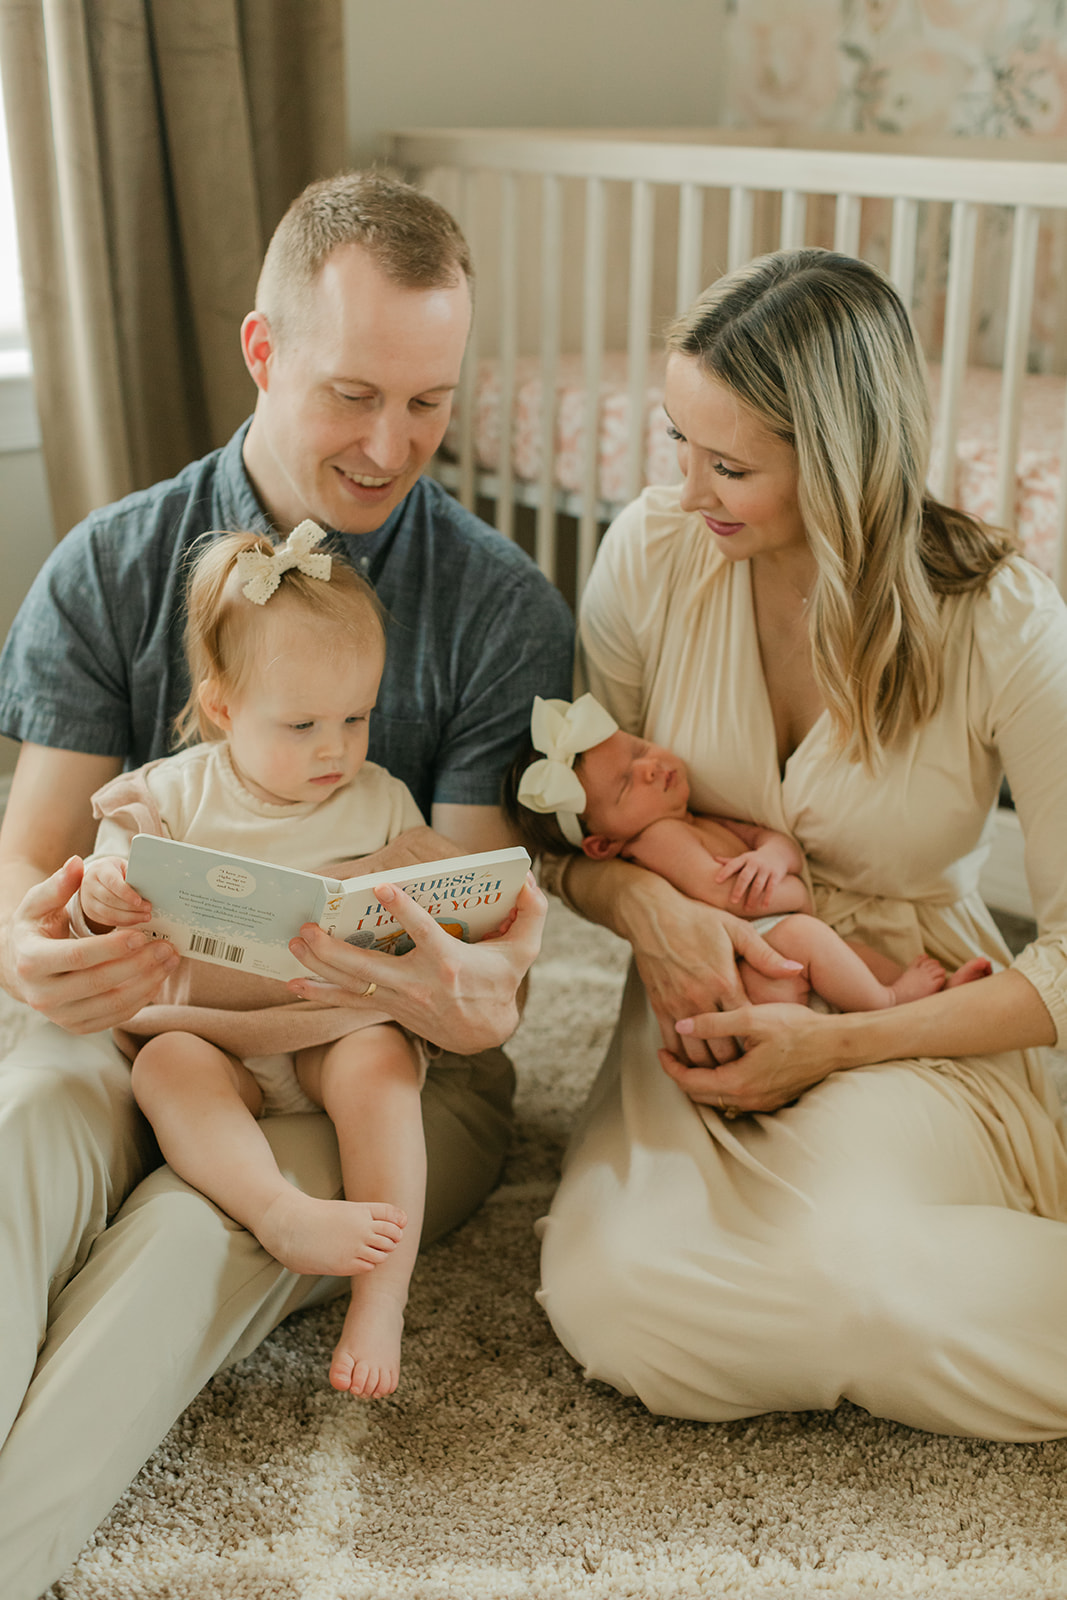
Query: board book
[240, 913]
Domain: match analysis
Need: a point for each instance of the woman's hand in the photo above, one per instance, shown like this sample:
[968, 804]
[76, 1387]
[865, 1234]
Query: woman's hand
[459, 996]
[785, 1048]
[687, 953]
[83, 985]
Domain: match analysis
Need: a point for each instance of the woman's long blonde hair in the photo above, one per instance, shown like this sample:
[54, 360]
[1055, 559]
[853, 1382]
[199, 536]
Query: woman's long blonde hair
[820, 348]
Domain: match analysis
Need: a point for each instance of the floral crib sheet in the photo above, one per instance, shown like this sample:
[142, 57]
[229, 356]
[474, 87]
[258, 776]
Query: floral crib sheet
[1041, 441]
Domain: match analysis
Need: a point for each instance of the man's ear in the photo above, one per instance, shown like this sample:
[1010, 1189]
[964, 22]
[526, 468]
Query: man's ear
[213, 705]
[257, 347]
[598, 848]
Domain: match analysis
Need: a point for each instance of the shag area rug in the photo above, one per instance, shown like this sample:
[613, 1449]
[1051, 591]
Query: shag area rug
[496, 1473]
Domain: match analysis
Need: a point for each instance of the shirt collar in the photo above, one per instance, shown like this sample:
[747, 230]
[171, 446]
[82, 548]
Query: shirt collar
[239, 508]
[238, 504]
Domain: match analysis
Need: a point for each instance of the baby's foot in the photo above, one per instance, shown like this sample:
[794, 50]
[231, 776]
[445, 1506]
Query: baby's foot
[924, 976]
[338, 1238]
[980, 967]
[366, 1362]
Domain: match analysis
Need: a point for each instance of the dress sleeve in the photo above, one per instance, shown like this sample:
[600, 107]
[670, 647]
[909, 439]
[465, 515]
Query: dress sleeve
[123, 807]
[1019, 705]
[126, 806]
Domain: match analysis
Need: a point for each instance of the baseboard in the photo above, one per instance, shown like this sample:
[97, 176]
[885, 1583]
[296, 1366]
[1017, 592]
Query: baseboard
[1003, 882]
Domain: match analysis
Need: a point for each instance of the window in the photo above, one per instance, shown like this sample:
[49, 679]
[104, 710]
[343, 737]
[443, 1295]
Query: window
[18, 414]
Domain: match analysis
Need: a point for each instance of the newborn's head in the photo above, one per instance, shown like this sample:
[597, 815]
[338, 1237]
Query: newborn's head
[629, 783]
[581, 783]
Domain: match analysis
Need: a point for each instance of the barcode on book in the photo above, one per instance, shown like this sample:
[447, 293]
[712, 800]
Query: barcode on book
[201, 945]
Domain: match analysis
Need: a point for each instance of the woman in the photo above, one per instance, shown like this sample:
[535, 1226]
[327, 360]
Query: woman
[869, 1208]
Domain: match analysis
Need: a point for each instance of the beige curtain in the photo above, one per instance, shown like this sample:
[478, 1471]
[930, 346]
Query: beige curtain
[154, 145]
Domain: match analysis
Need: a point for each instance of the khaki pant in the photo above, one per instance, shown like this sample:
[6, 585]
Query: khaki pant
[108, 1331]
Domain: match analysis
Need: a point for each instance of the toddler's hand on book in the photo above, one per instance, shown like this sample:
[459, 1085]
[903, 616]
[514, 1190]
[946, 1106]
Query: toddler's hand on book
[107, 900]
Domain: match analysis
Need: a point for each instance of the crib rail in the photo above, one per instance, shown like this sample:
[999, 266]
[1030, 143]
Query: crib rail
[587, 244]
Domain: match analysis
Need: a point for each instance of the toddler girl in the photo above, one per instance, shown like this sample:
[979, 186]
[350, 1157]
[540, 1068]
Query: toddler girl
[285, 649]
[608, 793]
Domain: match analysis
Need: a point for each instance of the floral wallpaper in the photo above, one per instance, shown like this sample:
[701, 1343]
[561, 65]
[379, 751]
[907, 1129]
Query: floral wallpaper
[989, 68]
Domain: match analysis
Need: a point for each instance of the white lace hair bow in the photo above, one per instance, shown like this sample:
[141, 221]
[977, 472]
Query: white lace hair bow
[562, 730]
[261, 574]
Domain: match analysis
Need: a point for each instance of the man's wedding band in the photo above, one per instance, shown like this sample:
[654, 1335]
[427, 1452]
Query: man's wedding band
[368, 991]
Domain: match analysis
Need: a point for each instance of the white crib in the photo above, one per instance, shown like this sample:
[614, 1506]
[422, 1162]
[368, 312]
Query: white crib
[587, 243]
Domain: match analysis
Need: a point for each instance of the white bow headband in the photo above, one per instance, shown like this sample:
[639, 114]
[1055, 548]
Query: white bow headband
[562, 731]
[261, 573]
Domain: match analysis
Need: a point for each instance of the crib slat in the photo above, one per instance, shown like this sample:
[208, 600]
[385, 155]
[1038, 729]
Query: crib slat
[469, 374]
[794, 217]
[690, 244]
[957, 338]
[593, 301]
[848, 210]
[551, 248]
[509, 344]
[1016, 343]
[639, 329]
[742, 219]
[754, 178]
[902, 249]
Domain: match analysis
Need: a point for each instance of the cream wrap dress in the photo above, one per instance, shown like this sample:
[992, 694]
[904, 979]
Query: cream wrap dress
[897, 1236]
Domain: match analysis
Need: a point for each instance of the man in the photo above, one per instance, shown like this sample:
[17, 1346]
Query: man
[362, 313]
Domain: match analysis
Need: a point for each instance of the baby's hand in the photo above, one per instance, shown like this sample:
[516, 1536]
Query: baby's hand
[757, 876]
[107, 899]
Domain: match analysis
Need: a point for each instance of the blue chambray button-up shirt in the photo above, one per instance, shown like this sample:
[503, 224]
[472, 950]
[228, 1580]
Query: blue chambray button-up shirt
[94, 659]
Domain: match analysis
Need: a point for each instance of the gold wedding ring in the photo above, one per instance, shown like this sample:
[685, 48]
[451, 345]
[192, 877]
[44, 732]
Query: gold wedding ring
[368, 991]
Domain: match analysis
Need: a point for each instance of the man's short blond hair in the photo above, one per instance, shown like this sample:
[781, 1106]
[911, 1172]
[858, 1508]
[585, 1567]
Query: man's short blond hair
[411, 239]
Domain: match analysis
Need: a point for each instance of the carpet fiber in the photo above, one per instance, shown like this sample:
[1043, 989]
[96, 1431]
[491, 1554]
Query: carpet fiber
[496, 1473]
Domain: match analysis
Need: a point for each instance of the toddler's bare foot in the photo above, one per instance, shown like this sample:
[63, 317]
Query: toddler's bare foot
[924, 976]
[980, 967]
[366, 1362]
[336, 1237]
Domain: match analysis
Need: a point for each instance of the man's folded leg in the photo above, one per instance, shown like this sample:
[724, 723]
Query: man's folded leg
[171, 1292]
[72, 1146]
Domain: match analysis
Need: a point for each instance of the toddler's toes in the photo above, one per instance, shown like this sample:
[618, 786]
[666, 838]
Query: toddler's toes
[341, 1370]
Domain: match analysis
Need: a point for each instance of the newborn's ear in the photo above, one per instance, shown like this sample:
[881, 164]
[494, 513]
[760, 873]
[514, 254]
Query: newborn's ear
[597, 848]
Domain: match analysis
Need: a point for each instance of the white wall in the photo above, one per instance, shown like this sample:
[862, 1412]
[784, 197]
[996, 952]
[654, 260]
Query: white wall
[532, 63]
